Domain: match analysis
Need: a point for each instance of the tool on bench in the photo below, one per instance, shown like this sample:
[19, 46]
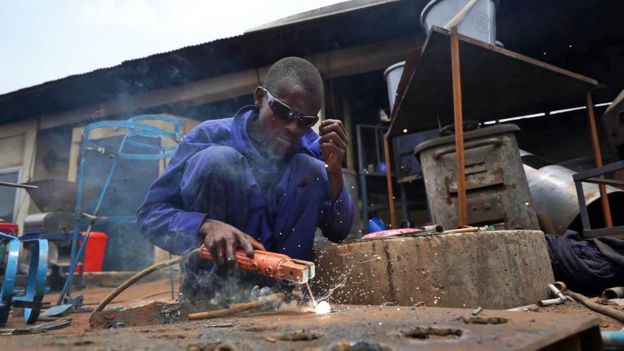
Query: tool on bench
[272, 264]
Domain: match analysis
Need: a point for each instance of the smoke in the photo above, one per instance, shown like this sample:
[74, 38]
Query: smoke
[205, 286]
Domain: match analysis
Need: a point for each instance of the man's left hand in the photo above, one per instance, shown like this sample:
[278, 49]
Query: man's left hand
[334, 142]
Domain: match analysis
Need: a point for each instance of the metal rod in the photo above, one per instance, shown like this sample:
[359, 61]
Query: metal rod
[311, 295]
[404, 210]
[389, 182]
[363, 190]
[18, 185]
[604, 181]
[604, 199]
[580, 194]
[171, 283]
[462, 217]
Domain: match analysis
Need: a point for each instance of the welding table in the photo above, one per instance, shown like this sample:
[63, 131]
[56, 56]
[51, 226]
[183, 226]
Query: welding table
[492, 83]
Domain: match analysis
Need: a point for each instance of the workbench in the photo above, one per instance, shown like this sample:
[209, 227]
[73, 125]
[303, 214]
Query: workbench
[457, 78]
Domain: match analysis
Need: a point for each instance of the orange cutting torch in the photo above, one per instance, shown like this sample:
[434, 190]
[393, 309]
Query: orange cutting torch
[272, 264]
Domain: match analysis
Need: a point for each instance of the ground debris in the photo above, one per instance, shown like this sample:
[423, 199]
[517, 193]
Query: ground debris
[148, 314]
[217, 346]
[422, 332]
[359, 346]
[483, 320]
[297, 335]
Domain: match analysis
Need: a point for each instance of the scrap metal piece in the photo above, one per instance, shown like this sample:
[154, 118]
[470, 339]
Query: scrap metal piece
[613, 293]
[148, 314]
[10, 274]
[56, 310]
[39, 328]
[35, 286]
[272, 264]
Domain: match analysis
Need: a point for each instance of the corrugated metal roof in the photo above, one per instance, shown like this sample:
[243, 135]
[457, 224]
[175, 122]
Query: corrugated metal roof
[256, 48]
[525, 26]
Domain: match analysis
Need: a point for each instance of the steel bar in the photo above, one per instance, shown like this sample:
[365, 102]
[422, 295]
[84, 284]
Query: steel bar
[604, 181]
[462, 216]
[580, 194]
[590, 173]
[18, 185]
[237, 308]
[393, 223]
[607, 311]
[606, 210]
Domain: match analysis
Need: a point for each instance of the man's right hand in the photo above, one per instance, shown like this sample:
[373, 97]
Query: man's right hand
[222, 240]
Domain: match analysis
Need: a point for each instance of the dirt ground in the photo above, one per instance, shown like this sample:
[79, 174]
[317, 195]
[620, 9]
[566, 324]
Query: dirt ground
[182, 335]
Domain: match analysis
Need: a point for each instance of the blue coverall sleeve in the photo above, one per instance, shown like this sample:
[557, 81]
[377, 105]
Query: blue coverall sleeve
[160, 217]
[337, 216]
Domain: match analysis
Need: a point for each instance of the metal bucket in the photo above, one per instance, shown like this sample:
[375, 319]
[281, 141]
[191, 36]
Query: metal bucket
[479, 23]
[496, 186]
[554, 196]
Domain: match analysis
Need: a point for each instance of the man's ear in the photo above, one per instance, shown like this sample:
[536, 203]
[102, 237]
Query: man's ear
[258, 96]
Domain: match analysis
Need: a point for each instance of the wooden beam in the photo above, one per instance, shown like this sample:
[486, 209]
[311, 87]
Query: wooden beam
[604, 199]
[459, 130]
[332, 64]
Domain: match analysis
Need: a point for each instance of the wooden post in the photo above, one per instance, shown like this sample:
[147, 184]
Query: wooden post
[393, 224]
[604, 199]
[459, 130]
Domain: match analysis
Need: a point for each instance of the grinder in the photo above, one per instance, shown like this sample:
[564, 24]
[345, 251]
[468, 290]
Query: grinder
[272, 264]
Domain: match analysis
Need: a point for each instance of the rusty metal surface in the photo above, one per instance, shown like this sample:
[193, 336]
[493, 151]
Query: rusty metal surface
[368, 327]
[496, 186]
[493, 269]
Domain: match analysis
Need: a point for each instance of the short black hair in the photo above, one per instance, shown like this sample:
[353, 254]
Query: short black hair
[297, 69]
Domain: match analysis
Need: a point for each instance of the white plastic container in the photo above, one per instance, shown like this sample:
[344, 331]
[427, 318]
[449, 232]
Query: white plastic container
[392, 75]
[479, 23]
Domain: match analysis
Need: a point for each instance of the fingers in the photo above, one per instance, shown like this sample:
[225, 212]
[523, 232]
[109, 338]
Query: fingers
[245, 244]
[219, 249]
[336, 126]
[335, 138]
[332, 148]
[255, 244]
[230, 254]
[222, 240]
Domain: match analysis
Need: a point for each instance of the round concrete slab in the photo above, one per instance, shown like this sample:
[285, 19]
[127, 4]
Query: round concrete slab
[494, 269]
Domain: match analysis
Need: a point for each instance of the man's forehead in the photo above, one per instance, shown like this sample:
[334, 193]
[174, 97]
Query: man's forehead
[291, 86]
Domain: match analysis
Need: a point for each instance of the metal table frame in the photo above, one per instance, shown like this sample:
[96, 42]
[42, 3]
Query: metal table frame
[518, 61]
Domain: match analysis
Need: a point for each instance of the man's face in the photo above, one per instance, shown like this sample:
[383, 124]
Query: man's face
[278, 136]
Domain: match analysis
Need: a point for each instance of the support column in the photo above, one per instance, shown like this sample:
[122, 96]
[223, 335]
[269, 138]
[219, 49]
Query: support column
[393, 224]
[459, 130]
[604, 199]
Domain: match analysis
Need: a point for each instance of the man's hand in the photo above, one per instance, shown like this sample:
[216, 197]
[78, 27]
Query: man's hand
[222, 240]
[334, 142]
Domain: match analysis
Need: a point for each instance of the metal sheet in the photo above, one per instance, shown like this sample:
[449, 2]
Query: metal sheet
[348, 328]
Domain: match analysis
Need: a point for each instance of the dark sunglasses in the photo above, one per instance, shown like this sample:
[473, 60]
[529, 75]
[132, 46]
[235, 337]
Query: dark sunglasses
[287, 113]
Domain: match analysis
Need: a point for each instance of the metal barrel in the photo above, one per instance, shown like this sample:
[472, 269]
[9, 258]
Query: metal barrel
[554, 195]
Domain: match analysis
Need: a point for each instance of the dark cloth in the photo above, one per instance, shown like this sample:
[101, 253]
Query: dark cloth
[582, 265]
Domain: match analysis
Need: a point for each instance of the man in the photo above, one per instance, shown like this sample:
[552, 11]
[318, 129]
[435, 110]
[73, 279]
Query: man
[260, 180]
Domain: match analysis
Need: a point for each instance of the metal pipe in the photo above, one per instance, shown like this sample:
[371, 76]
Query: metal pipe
[18, 185]
[555, 196]
[462, 215]
[551, 302]
[606, 210]
[389, 182]
[613, 338]
[614, 293]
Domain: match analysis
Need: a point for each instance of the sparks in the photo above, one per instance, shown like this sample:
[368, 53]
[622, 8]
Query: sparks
[323, 307]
